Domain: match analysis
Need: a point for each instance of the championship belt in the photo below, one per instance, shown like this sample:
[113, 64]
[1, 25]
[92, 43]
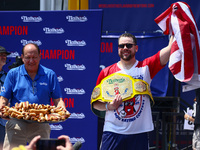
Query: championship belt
[122, 84]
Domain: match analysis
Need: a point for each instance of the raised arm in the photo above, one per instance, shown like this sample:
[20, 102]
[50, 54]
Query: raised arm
[165, 52]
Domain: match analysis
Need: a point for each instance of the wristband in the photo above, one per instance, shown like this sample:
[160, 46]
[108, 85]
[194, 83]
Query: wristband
[106, 106]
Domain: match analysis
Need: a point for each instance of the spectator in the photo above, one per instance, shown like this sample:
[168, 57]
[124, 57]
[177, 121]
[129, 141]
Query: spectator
[3, 58]
[32, 145]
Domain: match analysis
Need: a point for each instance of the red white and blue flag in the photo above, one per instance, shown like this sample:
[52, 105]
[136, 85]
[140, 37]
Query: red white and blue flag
[184, 62]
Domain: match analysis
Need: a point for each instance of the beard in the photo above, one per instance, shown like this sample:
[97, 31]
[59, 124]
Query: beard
[126, 58]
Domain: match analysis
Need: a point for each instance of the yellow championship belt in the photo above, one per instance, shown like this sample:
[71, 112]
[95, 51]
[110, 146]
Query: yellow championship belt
[122, 84]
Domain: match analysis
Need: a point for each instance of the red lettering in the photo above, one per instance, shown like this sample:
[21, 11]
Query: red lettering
[42, 53]
[5, 30]
[109, 48]
[103, 47]
[52, 54]
[66, 54]
[150, 5]
[25, 30]
[46, 55]
[58, 53]
[106, 47]
[69, 102]
[17, 30]
[69, 54]
[125, 5]
[63, 54]
[12, 28]
[55, 54]
[72, 54]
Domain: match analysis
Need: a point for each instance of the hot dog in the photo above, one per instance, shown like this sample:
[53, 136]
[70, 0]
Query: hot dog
[38, 111]
[25, 105]
[35, 112]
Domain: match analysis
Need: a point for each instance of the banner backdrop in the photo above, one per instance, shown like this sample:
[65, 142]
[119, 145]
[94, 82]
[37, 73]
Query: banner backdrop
[136, 15]
[69, 42]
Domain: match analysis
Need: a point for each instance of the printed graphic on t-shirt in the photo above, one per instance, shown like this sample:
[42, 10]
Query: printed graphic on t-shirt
[130, 110]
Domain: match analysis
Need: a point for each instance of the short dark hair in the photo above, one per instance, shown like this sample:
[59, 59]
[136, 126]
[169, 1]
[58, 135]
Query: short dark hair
[32, 44]
[128, 35]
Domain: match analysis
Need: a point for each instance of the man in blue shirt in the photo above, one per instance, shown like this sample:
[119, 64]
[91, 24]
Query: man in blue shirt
[34, 83]
[3, 57]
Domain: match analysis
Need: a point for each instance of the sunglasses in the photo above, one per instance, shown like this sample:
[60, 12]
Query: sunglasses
[127, 45]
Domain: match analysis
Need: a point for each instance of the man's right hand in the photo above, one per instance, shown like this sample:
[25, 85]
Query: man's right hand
[115, 103]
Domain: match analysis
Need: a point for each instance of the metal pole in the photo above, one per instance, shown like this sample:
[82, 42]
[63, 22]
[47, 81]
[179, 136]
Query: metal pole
[42, 5]
[52, 4]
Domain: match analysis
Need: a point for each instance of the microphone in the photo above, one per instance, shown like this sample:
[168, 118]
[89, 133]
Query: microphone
[77, 145]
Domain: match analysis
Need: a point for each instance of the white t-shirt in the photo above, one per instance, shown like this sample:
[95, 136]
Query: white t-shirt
[134, 115]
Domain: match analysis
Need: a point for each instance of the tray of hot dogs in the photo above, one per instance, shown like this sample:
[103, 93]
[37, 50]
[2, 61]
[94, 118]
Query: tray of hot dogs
[35, 112]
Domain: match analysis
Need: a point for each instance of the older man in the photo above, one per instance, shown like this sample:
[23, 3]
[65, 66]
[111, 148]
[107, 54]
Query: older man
[34, 83]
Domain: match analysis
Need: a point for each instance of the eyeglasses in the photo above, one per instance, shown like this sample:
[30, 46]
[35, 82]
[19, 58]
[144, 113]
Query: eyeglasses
[128, 45]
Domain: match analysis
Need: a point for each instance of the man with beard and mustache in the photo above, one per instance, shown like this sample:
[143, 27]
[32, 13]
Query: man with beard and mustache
[130, 131]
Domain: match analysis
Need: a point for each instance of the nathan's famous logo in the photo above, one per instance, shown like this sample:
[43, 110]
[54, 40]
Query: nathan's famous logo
[76, 18]
[13, 54]
[77, 116]
[31, 18]
[37, 42]
[53, 30]
[75, 139]
[74, 91]
[75, 67]
[75, 43]
[130, 110]
[112, 81]
[56, 127]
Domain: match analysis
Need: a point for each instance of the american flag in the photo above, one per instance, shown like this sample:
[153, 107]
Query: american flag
[184, 62]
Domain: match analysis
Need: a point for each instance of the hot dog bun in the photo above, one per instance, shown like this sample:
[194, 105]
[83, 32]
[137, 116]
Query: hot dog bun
[35, 112]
